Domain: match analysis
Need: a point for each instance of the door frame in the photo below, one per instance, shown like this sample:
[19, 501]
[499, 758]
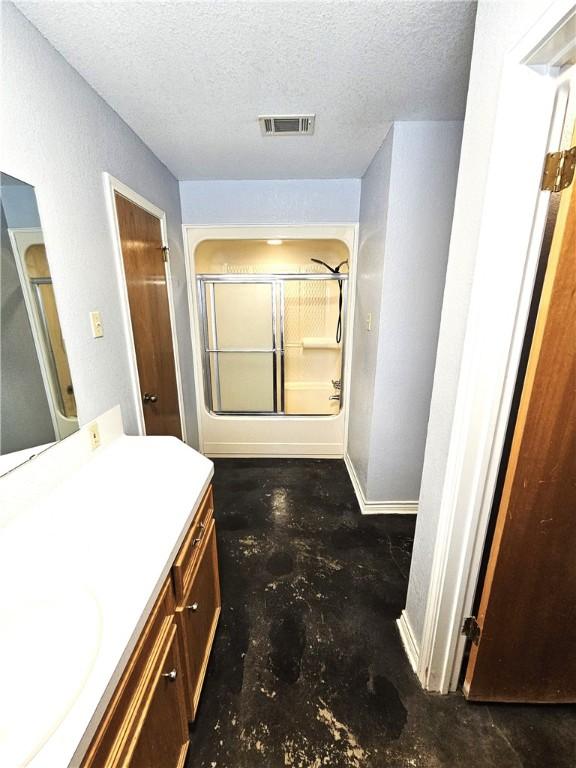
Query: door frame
[529, 119]
[113, 185]
[201, 232]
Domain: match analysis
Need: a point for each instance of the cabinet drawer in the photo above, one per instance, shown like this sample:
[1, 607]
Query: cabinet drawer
[183, 568]
[106, 747]
[197, 618]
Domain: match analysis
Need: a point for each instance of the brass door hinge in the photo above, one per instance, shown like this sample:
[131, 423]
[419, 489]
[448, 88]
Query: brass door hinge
[471, 629]
[559, 170]
[165, 252]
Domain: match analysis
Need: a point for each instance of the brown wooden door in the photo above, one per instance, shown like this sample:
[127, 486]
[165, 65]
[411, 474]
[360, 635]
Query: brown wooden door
[527, 613]
[144, 266]
[200, 616]
[163, 737]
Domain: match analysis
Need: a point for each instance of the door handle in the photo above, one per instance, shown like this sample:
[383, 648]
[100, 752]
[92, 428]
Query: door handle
[149, 398]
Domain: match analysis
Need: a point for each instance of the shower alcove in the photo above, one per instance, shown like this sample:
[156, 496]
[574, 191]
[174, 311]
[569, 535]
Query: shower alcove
[271, 320]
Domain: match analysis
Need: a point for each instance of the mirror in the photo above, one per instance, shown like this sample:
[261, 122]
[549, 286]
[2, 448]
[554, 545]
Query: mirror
[37, 405]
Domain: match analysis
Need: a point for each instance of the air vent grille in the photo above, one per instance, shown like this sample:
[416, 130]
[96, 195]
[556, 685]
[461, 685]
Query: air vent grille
[287, 125]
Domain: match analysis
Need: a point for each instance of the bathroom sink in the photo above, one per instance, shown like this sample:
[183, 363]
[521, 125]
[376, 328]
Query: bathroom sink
[49, 640]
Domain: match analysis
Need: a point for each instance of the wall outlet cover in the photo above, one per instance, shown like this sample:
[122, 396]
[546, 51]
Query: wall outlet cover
[96, 324]
[94, 433]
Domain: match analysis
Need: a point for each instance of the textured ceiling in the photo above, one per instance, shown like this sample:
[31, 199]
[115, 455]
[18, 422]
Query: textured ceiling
[191, 78]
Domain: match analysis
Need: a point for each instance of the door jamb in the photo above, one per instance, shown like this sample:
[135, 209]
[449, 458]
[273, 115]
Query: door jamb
[113, 185]
[482, 407]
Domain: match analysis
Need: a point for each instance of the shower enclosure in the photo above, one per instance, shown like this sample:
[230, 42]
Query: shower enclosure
[269, 342]
[271, 324]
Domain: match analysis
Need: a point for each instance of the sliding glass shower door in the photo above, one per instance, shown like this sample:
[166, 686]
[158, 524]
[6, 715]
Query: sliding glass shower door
[272, 344]
[239, 328]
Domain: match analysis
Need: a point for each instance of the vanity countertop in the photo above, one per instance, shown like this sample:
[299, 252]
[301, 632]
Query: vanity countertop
[89, 556]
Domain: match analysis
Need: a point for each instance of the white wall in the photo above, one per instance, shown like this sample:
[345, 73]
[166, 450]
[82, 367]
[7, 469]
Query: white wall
[306, 201]
[499, 26]
[405, 220]
[422, 188]
[372, 236]
[59, 135]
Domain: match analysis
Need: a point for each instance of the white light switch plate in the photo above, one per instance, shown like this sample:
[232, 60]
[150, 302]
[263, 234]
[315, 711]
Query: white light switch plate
[96, 323]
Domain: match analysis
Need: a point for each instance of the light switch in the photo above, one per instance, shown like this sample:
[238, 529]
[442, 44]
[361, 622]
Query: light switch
[96, 323]
[369, 321]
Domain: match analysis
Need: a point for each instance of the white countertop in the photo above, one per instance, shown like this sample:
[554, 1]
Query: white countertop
[10, 461]
[110, 530]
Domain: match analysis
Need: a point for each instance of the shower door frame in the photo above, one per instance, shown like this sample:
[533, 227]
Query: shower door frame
[276, 282]
[303, 436]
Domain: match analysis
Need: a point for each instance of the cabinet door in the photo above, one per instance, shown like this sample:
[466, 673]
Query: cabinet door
[163, 736]
[199, 617]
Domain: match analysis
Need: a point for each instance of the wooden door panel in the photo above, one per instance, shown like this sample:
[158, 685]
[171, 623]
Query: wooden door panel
[200, 617]
[527, 614]
[144, 267]
[163, 737]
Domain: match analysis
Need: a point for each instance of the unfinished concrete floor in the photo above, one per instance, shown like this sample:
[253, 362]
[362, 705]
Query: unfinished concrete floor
[307, 668]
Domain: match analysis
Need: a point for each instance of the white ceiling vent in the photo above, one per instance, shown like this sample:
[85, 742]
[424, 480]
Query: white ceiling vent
[287, 125]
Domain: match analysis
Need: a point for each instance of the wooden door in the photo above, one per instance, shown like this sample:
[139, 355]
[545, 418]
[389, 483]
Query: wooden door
[144, 266]
[163, 736]
[199, 618]
[527, 615]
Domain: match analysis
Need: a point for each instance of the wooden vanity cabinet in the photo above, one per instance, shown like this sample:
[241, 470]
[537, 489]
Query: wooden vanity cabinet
[144, 698]
[163, 736]
[197, 618]
[146, 722]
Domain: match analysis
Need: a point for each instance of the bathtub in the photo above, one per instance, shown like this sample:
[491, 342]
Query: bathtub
[310, 398]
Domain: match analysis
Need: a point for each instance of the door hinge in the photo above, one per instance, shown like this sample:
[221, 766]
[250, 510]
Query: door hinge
[165, 252]
[471, 629]
[559, 170]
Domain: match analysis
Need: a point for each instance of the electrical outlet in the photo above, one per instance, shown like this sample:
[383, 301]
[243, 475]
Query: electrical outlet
[96, 323]
[94, 433]
[369, 321]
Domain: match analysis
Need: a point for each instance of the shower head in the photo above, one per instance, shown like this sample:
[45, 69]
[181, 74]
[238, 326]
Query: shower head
[336, 271]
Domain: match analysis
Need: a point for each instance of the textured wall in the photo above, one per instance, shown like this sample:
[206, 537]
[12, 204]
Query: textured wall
[372, 236]
[420, 208]
[25, 418]
[405, 220]
[499, 26]
[60, 136]
[307, 201]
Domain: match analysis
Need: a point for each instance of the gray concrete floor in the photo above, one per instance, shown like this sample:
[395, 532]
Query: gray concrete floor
[307, 668]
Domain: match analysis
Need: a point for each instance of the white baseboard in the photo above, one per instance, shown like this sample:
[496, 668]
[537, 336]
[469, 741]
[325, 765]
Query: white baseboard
[408, 640]
[377, 507]
[292, 450]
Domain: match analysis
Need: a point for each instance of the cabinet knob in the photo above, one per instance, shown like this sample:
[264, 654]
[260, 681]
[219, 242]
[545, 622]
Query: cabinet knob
[193, 607]
[172, 675]
[149, 398]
